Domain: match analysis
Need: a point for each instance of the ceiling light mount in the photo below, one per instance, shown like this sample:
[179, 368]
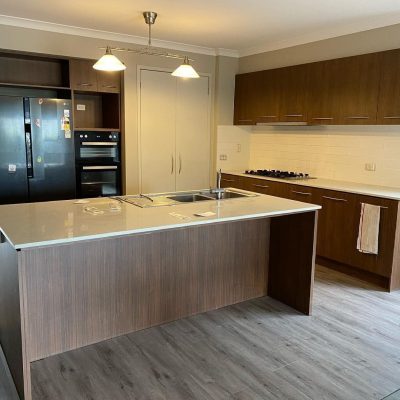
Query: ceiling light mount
[113, 64]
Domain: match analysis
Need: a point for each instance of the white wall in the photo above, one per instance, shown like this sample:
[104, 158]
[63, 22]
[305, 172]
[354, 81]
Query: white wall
[234, 143]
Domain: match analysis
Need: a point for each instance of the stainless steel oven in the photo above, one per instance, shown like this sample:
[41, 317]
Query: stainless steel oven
[98, 164]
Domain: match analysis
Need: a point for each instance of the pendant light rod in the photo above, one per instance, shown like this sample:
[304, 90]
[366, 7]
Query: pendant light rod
[150, 19]
[150, 52]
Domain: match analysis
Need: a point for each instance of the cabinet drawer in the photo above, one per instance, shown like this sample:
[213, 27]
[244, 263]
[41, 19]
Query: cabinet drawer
[232, 181]
[265, 186]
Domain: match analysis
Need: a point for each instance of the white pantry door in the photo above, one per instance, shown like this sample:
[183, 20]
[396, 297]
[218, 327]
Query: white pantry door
[193, 134]
[157, 131]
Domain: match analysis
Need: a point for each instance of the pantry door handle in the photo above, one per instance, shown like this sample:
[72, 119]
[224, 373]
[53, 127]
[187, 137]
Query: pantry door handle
[180, 163]
[334, 198]
[302, 193]
[172, 164]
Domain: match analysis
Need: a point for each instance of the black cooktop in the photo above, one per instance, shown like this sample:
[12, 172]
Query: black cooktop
[278, 174]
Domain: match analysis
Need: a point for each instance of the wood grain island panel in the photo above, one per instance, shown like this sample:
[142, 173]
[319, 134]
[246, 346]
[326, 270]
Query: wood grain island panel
[83, 292]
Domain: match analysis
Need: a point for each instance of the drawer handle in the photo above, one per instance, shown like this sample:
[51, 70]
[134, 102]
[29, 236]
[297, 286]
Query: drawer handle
[110, 86]
[228, 180]
[382, 207]
[261, 186]
[267, 116]
[392, 117]
[358, 117]
[334, 198]
[245, 120]
[323, 118]
[302, 193]
[293, 115]
[85, 84]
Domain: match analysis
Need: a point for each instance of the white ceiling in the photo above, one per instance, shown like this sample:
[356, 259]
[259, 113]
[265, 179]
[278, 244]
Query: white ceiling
[244, 26]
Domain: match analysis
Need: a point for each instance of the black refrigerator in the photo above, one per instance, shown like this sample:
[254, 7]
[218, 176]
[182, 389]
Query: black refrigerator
[37, 160]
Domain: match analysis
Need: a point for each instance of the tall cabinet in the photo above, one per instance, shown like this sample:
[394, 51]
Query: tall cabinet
[174, 132]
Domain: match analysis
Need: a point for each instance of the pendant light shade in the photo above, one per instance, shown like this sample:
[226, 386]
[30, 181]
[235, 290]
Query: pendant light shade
[186, 70]
[109, 62]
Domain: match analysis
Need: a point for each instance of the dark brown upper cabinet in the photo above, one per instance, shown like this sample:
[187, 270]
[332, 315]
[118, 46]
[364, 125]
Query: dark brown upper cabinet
[389, 93]
[109, 82]
[82, 75]
[267, 91]
[323, 108]
[343, 91]
[358, 89]
[293, 93]
[246, 100]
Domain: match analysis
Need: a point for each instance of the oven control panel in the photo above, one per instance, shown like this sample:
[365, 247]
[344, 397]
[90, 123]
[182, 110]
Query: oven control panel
[97, 136]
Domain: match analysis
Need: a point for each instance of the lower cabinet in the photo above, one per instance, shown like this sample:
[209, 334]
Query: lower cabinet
[338, 224]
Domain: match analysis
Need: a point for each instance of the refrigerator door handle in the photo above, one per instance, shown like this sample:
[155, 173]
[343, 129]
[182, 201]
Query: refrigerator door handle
[29, 158]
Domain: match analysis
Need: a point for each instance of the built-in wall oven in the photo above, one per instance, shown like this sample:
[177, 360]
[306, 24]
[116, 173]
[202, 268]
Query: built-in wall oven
[98, 163]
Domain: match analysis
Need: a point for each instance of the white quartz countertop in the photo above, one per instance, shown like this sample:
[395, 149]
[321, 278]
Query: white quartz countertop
[386, 192]
[49, 223]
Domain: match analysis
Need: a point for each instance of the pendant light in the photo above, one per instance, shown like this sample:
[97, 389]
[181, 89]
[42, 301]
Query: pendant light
[186, 70]
[108, 62]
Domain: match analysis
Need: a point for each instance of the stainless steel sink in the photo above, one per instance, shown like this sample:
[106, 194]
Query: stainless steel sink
[171, 199]
[228, 195]
[189, 198]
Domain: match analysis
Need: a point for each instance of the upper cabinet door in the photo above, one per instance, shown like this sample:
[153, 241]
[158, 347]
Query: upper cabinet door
[323, 106]
[389, 94]
[293, 93]
[82, 75]
[109, 82]
[266, 96]
[358, 88]
[245, 99]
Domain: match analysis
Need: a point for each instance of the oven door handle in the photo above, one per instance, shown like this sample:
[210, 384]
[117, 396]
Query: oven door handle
[99, 144]
[97, 167]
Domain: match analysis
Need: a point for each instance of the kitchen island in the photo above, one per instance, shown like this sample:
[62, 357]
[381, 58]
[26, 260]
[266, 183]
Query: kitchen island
[77, 273]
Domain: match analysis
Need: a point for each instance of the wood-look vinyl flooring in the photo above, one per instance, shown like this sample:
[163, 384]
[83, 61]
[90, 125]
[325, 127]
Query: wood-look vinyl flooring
[258, 350]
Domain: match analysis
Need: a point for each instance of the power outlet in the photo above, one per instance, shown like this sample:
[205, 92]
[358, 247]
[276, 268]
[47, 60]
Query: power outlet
[370, 167]
[223, 157]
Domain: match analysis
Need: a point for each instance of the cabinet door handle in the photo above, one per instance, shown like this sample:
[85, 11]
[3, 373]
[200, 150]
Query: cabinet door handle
[323, 118]
[302, 193]
[227, 180]
[180, 163]
[172, 164]
[261, 186]
[392, 117]
[85, 84]
[358, 117]
[334, 198]
[293, 115]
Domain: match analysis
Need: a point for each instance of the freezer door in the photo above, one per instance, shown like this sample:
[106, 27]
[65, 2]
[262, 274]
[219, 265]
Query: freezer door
[13, 174]
[53, 158]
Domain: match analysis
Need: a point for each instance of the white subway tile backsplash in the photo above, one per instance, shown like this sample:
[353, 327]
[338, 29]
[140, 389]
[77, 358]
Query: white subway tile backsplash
[338, 152]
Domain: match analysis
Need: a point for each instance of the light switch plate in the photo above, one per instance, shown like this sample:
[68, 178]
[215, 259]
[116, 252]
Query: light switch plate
[81, 107]
[223, 157]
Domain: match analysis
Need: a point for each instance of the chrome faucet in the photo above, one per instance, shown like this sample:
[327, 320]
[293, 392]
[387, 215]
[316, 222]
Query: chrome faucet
[219, 176]
[218, 190]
